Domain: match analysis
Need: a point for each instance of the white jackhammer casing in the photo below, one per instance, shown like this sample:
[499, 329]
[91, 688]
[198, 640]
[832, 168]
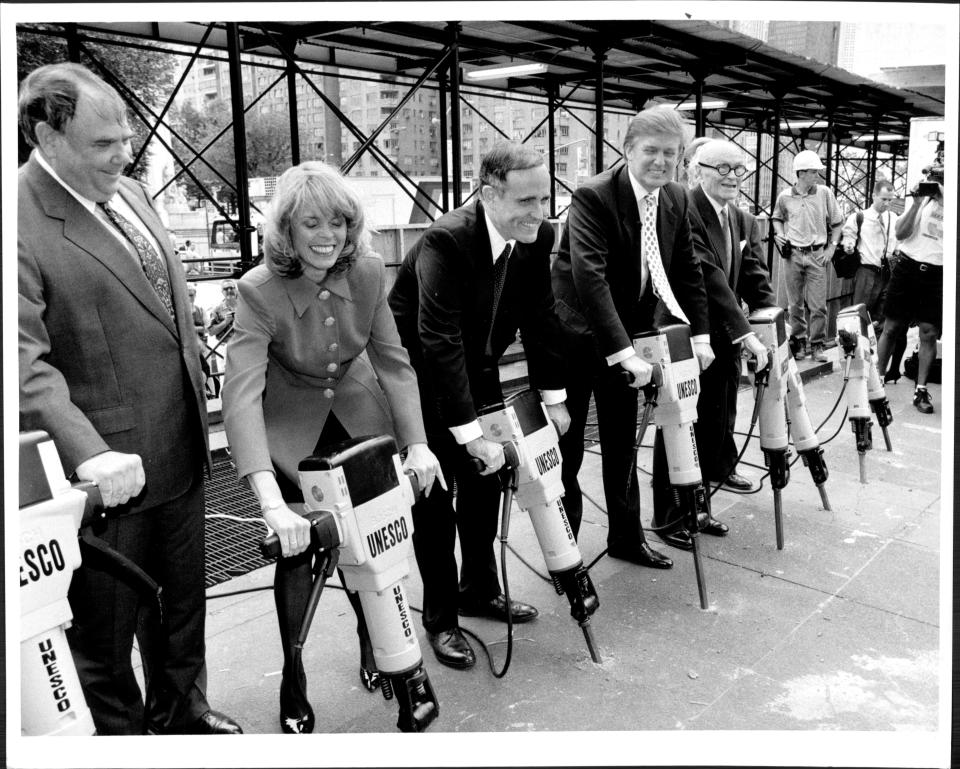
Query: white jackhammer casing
[371, 498]
[672, 348]
[803, 432]
[524, 422]
[770, 327]
[854, 321]
[51, 512]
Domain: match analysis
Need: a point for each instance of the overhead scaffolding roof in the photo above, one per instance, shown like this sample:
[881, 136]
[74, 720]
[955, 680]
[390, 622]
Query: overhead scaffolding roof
[642, 62]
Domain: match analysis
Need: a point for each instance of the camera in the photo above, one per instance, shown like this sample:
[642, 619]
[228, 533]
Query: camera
[786, 250]
[932, 181]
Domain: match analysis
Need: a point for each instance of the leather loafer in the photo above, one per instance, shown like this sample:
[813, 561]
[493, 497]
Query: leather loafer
[642, 555]
[713, 527]
[738, 482]
[496, 608]
[214, 722]
[452, 649]
[679, 539]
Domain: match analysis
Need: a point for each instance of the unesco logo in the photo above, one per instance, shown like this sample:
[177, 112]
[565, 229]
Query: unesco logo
[317, 493]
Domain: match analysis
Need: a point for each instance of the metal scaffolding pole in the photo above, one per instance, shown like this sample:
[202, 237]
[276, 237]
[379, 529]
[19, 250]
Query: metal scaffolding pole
[774, 173]
[872, 169]
[454, 29]
[73, 42]
[552, 147]
[829, 147]
[698, 116]
[294, 122]
[599, 56]
[444, 159]
[244, 230]
[759, 165]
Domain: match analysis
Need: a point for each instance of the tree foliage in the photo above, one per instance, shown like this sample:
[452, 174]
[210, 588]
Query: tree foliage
[147, 74]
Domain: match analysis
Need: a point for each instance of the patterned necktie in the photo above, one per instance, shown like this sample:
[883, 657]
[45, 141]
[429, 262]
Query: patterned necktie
[650, 250]
[727, 255]
[150, 260]
[499, 278]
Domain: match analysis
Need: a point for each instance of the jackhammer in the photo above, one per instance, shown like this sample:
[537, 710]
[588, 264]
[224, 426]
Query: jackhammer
[358, 500]
[861, 380]
[673, 394]
[532, 456]
[51, 513]
[782, 403]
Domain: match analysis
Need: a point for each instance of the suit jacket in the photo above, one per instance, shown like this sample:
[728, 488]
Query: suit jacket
[747, 279]
[443, 303]
[300, 351]
[596, 275]
[102, 365]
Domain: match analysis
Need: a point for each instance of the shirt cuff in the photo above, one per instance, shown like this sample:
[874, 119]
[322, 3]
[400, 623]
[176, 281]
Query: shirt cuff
[553, 397]
[622, 355]
[741, 338]
[700, 339]
[466, 433]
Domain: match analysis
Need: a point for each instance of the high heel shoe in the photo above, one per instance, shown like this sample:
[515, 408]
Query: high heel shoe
[891, 378]
[370, 679]
[296, 715]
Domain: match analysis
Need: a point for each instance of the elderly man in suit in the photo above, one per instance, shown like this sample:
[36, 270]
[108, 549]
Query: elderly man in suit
[477, 275]
[110, 368]
[727, 242]
[626, 265]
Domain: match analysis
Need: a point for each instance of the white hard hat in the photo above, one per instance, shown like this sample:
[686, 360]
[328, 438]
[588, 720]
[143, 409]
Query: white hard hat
[807, 160]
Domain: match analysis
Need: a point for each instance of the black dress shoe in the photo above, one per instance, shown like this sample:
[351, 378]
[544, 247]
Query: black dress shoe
[496, 608]
[452, 649]
[370, 679]
[642, 555]
[214, 722]
[713, 527]
[679, 539]
[737, 482]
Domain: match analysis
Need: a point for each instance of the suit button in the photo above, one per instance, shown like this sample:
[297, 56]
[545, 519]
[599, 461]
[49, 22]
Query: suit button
[333, 347]
[328, 393]
[324, 294]
[331, 367]
[329, 321]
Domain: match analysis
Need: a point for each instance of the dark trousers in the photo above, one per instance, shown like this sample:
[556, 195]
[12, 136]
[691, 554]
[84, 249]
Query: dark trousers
[616, 406]
[435, 528]
[167, 542]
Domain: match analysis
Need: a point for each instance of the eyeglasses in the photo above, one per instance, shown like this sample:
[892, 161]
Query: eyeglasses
[725, 168]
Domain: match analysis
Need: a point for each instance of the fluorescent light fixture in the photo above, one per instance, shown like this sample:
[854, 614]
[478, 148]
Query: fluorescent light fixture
[506, 70]
[880, 137]
[689, 106]
[787, 126]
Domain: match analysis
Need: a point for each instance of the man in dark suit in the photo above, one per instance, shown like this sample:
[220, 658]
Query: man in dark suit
[727, 242]
[615, 277]
[110, 368]
[456, 324]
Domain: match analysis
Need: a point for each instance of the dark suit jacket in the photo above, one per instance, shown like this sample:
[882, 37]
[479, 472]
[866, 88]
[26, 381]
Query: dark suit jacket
[748, 278]
[102, 365]
[596, 275]
[443, 302]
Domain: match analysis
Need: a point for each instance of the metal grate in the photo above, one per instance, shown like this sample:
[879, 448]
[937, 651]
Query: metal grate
[231, 546]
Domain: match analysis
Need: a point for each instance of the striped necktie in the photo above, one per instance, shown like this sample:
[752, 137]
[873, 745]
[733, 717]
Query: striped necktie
[150, 261]
[727, 254]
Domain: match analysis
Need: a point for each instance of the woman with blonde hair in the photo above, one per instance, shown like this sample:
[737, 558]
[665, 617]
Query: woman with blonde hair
[315, 359]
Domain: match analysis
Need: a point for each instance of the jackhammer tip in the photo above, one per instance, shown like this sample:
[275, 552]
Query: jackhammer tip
[823, 497]
[863, 467]
[591, 644]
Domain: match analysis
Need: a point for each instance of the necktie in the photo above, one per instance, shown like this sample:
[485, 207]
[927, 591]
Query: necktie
[650, 250]
[727, 255]
[150, 260]
[499, 278]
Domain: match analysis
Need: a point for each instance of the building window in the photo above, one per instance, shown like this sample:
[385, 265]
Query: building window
[563, 130]
[561, 168]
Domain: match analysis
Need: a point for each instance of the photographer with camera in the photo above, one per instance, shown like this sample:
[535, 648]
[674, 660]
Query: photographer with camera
[806, 225]
[915, 292]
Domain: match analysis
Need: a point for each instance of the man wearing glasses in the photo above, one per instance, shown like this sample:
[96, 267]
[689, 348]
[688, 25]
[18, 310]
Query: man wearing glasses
[727, 243]
[807, 217]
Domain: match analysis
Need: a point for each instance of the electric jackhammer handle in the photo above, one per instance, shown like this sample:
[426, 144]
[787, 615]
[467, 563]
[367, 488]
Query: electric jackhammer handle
[650, 388]
[93, 509]
[510, 455]
[323, 532]
[763, 373]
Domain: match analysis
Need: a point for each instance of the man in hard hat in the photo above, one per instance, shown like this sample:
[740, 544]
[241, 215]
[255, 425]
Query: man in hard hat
[807, 223]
